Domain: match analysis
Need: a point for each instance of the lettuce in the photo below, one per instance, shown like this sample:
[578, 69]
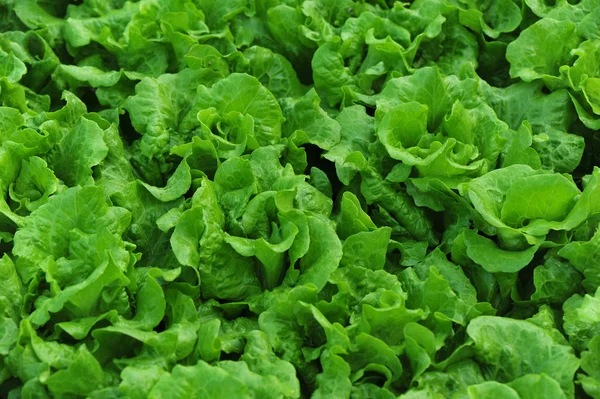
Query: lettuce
[299, 198]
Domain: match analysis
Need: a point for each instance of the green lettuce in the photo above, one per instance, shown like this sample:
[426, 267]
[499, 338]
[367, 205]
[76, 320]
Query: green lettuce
[299, 198]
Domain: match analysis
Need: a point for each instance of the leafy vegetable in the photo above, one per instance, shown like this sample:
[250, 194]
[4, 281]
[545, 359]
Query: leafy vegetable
[300, 198]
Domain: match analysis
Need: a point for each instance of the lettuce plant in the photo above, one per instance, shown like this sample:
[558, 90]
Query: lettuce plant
[300, 199]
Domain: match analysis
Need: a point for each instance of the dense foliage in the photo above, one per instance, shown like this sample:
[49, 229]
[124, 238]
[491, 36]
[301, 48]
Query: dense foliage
[294, 199]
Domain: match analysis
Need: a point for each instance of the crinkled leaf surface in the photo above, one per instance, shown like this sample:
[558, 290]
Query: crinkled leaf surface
[300, 199]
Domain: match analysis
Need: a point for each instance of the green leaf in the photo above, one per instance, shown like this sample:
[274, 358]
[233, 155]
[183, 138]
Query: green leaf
[518, 149]
[299, 198]
[77, 151]
[367, 249]
[159, 106]
[244, 94]
[46, 231]
[83, 376]
[186, 237]
[143, 231]
[584, 257]
[492, 389]
[496, 17]
[486, 253]
[547, 197]
[261, 360]
[276, 69]
[178, 184]
[581, 319]
[399, 205]
[515, 348]
[306, 114]
[533, 386]
[357, 132]
[200, 379]
[334, 381]
[12, 291]
[562, 152]
[589, 363]
[138, 381]
[526, 102]
[323, 255]
[34, 185]
[555, 281]
[531, 58]
[11, 67]
[330, 73]
[426, 87]
[353, 219]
